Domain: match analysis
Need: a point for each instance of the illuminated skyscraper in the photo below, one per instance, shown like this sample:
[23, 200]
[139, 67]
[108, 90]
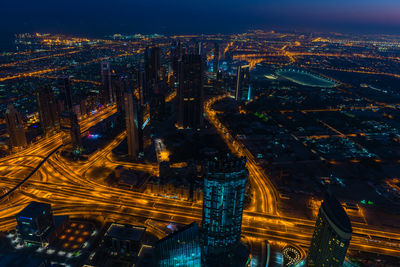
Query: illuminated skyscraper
[15, 127]
[131, 124]
[243, 87]
[224, 189]
[47, 106]
[216, 58]
[190, 92]
[181, 248]
[35, 222]
[198, 48]
[332, 234]
[106, 95]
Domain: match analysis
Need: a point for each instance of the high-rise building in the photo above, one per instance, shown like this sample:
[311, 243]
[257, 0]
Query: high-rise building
[132, 127]
[181, 248]
[143, 87]
[144, 127]
[198, 48]
[68, 119]
[70, 129]
[48, 111]
[223, 195]
[35, 222]
[67, 93]
[216, 59]
[243, 87]
[190, 92]
[15, 127]
[152, 62]
[121, 87]
[332, 234]
[106, 95]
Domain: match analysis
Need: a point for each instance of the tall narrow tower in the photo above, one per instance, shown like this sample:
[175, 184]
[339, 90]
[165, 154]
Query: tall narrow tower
[216, 58]
[131, 120]
[15, 127]
[152, 62]
[190, 92]
[224, 190]
[47, 106]
[106, 94]
[68, 120]
[243, 88]
[332, 235]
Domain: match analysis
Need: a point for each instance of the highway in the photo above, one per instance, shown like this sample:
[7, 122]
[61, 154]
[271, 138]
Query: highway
[73, 190]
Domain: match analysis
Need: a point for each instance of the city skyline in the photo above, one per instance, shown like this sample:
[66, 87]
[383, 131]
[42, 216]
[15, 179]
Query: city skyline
[243, 146]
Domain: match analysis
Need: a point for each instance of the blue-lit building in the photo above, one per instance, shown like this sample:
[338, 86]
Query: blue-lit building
[224, 189]
[243, 86]
[35, 223]
[182, 248]
[332, 235]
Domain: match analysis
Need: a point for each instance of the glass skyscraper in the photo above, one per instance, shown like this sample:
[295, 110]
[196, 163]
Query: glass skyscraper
[181, 248]
[224, 190]
[332, 234]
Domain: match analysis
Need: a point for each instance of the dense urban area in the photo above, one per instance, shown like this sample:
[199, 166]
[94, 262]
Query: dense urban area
[251, 149]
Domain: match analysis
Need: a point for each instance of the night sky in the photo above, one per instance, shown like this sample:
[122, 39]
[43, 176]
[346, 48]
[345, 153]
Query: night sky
[98, 18]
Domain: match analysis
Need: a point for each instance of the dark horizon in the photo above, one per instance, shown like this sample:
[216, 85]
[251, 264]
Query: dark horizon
[100, 18]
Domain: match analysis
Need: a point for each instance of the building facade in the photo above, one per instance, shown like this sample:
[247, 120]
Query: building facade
[131, 122]
[332, 235]
[223, 195]
[190, 92]
[181, 248]
[106, 94]
[47, 107]
[15, 127]
[243, 87]
[35, 222]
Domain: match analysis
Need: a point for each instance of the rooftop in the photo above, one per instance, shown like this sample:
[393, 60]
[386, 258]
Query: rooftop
[126, 232]
[34, 209]
[336, 213]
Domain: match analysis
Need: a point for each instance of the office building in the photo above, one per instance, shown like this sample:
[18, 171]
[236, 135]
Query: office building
[144, 127]
[67, 93]
[123, 245]
[152, 63]
[131, 122]
[106, 94]
[121, 86]
[70, 129]
[198, 48]
[225, 181]
[190, 92]
[142, 87]
[69, 125]
[35, 222]
[243, 87]
[47, 107]
[332, 235]
[216, 59]
[181, 248]
[15, 127]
